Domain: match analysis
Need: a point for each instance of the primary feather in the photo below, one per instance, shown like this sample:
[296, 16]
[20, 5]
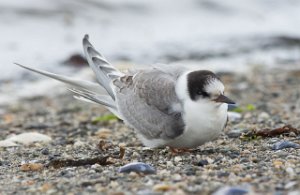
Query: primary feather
[103, 70]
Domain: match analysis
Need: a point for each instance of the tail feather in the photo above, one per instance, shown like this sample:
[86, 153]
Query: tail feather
[100, 99]
[84, 90]
[104, 71]
[77, 83]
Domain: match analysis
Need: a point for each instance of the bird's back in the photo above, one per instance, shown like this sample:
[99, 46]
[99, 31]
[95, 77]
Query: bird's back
[147, 102]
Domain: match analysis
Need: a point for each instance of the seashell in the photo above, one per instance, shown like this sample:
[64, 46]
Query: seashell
[285, 144]
[137, 167]
[231, 190]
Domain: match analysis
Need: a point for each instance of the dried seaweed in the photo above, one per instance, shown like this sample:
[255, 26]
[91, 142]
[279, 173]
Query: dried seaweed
[58, 163]
[287, 129]
[255, 134]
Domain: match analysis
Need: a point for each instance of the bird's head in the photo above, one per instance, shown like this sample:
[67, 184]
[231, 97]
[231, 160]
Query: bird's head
[202, 85]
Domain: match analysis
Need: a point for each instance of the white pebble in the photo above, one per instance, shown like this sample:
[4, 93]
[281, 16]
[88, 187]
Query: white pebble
[25, 139]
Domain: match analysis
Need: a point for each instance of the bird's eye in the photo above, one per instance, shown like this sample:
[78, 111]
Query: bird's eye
[203, 93]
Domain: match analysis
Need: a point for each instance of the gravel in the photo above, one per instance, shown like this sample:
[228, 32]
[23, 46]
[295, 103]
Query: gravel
[84, 156]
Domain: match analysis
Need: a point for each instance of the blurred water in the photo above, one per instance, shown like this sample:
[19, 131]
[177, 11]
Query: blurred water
[222, 34]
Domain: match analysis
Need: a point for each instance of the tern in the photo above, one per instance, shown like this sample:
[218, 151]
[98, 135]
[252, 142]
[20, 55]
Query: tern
[166, 105]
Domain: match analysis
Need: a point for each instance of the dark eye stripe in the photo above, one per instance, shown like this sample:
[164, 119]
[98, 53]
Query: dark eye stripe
[203, 94]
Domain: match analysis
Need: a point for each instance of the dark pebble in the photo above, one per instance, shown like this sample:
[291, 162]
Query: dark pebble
[202, 163]
[244, 160]
[45, 151]
[236, 133]
[37, 126]
[285, 144]
[137, 167]
[190, 171]
[234, 154]
[223, 174]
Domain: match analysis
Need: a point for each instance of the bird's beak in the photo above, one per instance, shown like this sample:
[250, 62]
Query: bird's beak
[224, 99]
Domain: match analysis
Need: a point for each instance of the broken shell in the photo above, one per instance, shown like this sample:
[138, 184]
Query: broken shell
[228, 190]
[285, 144]
[137, 167]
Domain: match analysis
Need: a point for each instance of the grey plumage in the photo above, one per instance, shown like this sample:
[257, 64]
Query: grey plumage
[77, 83]
[147, 100]
[103, 70]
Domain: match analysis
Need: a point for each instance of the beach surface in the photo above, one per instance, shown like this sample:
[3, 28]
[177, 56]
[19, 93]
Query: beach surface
[88, 146]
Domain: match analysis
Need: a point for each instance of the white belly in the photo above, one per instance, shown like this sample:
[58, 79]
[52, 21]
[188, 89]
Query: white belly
[204, 122]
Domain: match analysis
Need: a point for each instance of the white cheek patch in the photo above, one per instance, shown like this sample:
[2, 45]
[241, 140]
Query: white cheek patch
[181, 87]
[214, 86]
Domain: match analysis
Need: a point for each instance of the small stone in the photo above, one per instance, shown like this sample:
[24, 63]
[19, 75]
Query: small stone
[177, 159]
[45, 151]
[32, 167]
[30, 137]
[103, 133]
[290, 184]
[45, 187]
[78, 144]
[202, 163]
[277, 164]
[235, 133]
[223, 174]
[247, 178]
[177, 177]
[264, 115]
[290, 171]
[169, 164]
[162, 187]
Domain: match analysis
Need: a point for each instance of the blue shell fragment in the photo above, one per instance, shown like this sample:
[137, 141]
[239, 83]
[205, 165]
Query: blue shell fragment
[228, 190]
[285, 144]
[137, 167]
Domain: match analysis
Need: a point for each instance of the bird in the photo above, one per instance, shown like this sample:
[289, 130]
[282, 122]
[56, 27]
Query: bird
[166, 105]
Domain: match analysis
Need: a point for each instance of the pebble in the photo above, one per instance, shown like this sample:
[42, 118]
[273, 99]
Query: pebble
[202, 163]
[45, 151]
[137, 167]
[79, 143]
[278, 164]
[162, 187]
[177, 159]
[263, 116]
[235, 133]
[285, 144]
[177, 177]
[290, 171]
[31, 167]
[27, 138]
[169, 164]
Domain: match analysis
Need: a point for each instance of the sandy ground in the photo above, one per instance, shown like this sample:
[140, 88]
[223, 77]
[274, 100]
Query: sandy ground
[86, 151]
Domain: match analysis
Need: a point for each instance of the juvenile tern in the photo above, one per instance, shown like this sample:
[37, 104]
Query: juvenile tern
[167, 106]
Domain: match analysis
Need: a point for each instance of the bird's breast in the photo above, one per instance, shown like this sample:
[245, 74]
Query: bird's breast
[204, 122]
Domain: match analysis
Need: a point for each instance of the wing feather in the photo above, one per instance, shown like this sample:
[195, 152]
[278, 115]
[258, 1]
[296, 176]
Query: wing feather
[146, 101]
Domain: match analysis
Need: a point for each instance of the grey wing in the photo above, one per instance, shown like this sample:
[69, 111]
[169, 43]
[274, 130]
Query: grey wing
[103, 70]
[147, 101]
